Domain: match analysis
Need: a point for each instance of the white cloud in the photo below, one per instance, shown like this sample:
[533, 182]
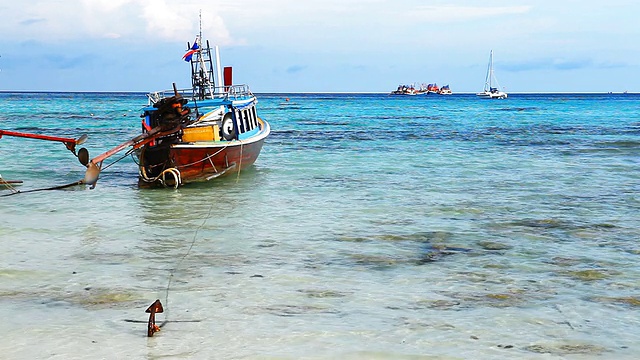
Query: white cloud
[149, 20]
[112, 36]
[451, 13]
[164, 20]
[105, 5]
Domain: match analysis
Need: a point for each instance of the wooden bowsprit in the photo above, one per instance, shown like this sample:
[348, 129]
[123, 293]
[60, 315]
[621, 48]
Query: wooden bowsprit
[95, 165]
[68, 142]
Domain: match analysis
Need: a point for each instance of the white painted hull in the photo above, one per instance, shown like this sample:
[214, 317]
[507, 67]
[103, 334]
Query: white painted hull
[492, 95]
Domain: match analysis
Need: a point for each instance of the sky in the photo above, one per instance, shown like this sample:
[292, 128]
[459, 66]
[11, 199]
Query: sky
[296, 46]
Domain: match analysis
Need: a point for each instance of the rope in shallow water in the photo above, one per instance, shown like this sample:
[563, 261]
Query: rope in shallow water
[193, 241]
[171, 274]
[15, 191]
[58, 187]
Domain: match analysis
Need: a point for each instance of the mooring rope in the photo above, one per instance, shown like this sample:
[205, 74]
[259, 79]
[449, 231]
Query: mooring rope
[171, 274]
[240, 166]
[58, 187]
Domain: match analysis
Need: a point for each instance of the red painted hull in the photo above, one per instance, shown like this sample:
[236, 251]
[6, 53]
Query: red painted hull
[183, 163]
[199, 163]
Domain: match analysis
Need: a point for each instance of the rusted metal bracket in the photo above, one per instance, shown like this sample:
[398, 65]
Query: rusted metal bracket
[154, 309]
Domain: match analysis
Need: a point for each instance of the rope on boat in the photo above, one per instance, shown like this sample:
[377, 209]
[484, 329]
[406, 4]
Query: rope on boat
[162, 177]
[175, 170]
[240, 167]
[205, 158]
[129, 152]
[176, 177]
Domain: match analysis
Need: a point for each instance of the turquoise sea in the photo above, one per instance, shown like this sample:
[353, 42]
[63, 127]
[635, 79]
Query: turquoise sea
[371, 227]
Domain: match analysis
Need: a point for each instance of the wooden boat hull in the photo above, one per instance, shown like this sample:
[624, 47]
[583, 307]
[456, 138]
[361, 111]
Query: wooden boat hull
[183, 163]
[198, 162]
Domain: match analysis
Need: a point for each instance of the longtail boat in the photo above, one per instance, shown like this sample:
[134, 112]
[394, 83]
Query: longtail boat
[196, 134]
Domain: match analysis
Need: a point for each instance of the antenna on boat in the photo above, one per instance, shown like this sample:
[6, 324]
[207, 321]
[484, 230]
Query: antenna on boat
[218, 68]
[200, 27]
[206, 77]
[218, 74]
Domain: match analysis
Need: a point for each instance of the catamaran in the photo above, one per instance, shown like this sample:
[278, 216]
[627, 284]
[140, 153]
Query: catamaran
[491, 86]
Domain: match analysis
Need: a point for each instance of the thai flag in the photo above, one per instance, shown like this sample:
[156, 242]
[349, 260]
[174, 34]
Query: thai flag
[194, 49]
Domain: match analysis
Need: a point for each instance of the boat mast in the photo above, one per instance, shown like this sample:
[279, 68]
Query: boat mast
[219, 70]
[208, 73]
[487, 81]
[493, 74]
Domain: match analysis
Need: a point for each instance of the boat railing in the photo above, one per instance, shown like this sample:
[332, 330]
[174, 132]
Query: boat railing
[229, 93]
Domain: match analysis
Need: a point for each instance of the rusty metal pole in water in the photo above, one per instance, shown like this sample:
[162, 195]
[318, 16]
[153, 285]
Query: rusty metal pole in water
[156, 307]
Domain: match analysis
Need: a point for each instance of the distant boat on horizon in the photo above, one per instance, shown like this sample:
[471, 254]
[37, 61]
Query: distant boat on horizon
[491, 86]
[424, 89]
[445, 90]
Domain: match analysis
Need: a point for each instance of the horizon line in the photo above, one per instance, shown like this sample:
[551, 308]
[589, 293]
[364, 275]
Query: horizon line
[325, 92]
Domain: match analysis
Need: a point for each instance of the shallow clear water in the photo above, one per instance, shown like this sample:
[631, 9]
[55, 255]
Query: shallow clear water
[371, 226]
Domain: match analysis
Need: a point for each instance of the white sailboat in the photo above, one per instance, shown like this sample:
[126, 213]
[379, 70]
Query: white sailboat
[491, 86]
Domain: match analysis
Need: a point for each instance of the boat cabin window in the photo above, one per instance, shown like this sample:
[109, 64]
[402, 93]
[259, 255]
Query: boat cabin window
[245, 116]
[250, 119]
[239, 117]
[254, 117]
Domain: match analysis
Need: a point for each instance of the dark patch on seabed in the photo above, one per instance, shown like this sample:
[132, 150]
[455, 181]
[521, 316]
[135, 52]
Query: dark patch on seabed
[325, 139]
[519, 109]
[624, 144]
[322, 123]
[562, 349]
[287, 310]
[321, 294]
[554, 224]
[632, 302]
[542, 223]
[508, 295]
[431, 247]
[87, 297]
[289, 107]
[408, 118]
[424, 237]
[467, 300]
[431, 253]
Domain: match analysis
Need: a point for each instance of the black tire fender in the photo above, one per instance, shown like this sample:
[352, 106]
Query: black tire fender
[228, 129]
